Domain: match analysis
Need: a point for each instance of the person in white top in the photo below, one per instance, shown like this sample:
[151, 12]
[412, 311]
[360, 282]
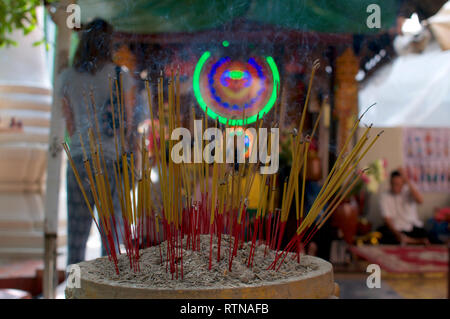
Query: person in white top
[92, 67]
[399, 212]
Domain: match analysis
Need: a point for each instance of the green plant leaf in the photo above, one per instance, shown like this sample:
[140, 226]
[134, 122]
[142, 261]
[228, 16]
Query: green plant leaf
[17, 15]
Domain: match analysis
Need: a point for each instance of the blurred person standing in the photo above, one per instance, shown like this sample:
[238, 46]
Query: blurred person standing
[92, 67]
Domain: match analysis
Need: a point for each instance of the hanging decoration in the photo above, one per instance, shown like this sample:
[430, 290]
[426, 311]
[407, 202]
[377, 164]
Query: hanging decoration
[427, 158]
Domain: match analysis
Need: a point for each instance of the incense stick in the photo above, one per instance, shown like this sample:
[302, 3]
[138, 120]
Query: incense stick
[179, 216]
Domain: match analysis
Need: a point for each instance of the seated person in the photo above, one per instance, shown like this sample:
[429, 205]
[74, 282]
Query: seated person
[399, 211]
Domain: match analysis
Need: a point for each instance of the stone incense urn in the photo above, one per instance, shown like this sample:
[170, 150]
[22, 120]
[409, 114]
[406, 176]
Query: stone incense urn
[314, 284]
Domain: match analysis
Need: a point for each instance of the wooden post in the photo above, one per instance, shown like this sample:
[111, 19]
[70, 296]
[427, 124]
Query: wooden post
[346, 94]
[324, 137]
[54, 153]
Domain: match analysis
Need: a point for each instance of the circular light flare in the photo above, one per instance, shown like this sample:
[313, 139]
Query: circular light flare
[232, 121]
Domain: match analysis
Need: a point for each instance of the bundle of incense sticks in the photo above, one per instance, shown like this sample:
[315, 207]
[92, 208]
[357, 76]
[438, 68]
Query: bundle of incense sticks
[180, 215]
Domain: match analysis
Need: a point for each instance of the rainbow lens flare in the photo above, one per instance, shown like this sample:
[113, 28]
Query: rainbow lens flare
[235, 91]
[248, 139]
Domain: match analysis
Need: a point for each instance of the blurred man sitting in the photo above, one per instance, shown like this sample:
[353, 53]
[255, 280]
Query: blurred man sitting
[399, 211]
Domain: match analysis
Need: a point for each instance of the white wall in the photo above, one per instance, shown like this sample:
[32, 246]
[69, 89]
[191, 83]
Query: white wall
[24, 64]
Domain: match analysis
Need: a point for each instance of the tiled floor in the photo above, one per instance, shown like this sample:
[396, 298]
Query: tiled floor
[420, 286]
[353, 286]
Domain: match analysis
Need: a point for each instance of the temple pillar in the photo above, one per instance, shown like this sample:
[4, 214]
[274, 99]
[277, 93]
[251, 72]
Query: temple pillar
[346, 95]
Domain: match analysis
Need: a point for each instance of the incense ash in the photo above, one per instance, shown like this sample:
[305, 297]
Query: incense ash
[153, 273]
